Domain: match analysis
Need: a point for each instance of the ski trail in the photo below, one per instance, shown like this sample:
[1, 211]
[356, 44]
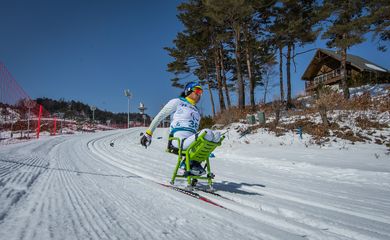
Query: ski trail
[80, 187]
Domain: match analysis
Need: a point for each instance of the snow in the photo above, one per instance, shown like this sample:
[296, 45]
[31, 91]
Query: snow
[376, 90]
[79, 187]
[375, 67]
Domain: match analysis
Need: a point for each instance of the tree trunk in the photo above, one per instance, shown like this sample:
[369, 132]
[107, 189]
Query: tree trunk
[209, 83]
[322, 110]
[250, 71]
[224, 78]
[344, 75]
[240, 81]
[288, 72]
[281, 73]
[276, 107]
[266, 82]
[222, 106]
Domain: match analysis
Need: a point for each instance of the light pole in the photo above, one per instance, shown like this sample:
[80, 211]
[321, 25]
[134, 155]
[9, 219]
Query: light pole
[128, 95]
[93, 108]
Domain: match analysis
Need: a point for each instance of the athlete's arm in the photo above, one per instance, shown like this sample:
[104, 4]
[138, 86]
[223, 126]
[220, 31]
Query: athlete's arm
[167, 110]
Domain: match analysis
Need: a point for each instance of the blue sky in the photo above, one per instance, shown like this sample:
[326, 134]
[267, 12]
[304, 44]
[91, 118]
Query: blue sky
[91, 51]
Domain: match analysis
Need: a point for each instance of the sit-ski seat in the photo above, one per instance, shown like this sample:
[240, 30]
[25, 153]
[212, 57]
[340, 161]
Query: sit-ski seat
[200, 151]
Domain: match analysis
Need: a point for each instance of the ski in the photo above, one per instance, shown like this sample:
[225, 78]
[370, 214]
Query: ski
[192, 194]
[211, 192]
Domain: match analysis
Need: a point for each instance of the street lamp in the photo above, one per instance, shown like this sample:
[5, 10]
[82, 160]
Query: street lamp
[93, 108]
[128, 95]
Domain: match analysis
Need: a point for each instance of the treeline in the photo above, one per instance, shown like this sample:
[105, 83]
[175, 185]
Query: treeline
[233, 45]
[79, 111]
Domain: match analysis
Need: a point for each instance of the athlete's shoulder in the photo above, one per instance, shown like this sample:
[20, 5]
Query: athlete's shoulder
[174, 100]
[179, 101]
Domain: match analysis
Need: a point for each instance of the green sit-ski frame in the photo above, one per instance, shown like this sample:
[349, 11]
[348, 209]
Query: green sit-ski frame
[200, 151]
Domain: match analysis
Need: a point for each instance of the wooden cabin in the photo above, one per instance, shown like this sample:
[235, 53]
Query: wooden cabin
[325, 69]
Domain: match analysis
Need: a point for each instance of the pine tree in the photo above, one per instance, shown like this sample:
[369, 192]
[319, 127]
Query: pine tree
[276, 28]
[199, 50]
[249, 34]
[297, 21]
[346, 29]
[232, 13]
[378, 20]
[191, 52]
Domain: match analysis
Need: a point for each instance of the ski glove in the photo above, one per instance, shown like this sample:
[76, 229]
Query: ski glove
[146, 140]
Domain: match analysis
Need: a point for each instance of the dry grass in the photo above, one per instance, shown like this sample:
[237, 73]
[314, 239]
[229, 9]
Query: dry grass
[362, 103]
[206, 122]
[382, 104]
[231, 115]
[366, 102]
[279, 131]
[364, 123]
[317, 130]
[348, 135]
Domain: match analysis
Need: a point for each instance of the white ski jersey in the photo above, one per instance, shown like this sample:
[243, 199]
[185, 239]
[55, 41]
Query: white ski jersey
[184, 116]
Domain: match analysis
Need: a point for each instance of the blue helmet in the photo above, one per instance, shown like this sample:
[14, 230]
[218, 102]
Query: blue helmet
[190, 87]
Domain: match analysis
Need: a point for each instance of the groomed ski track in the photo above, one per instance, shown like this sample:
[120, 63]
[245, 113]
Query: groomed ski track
[79, 187]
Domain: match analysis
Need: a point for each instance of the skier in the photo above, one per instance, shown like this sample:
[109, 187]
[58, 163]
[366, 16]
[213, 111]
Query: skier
[184, 125]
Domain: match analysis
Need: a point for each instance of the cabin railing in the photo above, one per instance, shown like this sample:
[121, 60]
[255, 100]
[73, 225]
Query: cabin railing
[324, 79]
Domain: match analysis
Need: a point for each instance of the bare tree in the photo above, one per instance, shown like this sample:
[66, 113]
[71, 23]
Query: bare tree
[268, 74]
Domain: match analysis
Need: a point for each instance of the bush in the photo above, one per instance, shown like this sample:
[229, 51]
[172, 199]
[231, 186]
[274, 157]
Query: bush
[327, 100]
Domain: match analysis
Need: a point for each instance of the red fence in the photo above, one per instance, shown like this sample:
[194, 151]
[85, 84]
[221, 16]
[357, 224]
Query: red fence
[20, 116]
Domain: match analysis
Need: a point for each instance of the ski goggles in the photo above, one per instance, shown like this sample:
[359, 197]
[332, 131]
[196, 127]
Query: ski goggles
[198, 90]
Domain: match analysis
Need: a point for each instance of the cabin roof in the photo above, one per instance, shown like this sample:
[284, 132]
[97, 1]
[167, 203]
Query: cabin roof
[356, 61]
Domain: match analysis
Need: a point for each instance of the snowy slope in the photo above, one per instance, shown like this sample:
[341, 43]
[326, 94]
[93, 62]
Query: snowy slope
[78, 187]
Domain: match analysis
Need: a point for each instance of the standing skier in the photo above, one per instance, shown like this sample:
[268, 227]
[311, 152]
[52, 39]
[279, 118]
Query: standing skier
[185, 120]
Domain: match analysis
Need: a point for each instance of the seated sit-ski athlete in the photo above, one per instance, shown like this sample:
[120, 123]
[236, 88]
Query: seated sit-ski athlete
[185, 118]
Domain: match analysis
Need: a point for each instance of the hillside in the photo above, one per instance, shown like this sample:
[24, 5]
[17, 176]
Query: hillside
[325, 120]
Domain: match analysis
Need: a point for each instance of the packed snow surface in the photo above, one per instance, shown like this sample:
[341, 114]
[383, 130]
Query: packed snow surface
[79, 187]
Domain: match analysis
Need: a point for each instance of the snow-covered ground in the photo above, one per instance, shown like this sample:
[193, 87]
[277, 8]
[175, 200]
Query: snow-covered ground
[79, 187]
